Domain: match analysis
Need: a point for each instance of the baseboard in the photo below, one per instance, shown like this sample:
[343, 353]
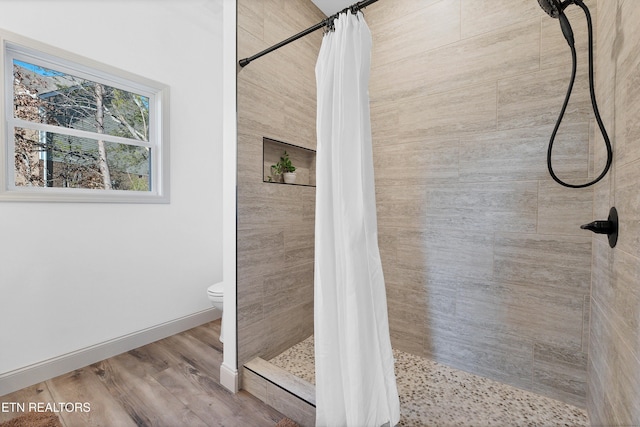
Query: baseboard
[42, 371]
[229, 378]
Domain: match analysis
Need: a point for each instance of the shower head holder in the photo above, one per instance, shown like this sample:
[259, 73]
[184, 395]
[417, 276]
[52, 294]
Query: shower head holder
[554, 8]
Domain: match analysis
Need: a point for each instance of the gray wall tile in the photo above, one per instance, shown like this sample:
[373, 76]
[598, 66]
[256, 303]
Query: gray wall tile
[482, 257]
[276, 99]
[614, 355]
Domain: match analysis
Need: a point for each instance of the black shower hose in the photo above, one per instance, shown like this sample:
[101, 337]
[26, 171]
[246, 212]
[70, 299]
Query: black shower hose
[594, 103]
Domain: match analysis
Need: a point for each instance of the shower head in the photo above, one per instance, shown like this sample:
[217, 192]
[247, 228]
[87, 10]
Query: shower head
[553, 8]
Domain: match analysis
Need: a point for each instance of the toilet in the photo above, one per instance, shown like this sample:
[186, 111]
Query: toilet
[215, 293]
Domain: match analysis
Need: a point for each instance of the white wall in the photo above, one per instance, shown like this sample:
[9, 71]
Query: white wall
[76, 275]
[229, 369]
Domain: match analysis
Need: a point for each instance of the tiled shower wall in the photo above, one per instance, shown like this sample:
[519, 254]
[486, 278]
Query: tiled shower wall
[486, 267]
[276, 99]
[614, 353]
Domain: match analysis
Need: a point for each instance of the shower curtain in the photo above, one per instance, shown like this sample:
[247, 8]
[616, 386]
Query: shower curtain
[355, 379]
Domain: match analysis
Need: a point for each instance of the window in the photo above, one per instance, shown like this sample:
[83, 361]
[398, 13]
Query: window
[76, 130]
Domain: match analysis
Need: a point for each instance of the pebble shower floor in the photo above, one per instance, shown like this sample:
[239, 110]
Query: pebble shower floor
[435, 395]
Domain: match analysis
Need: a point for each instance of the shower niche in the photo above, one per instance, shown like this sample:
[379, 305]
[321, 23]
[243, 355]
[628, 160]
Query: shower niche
[304, 160]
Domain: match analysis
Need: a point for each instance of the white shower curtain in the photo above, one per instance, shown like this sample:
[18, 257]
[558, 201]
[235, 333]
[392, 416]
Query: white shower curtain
[355, 380]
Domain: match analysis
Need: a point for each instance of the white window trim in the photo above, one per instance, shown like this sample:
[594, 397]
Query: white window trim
[61, 60]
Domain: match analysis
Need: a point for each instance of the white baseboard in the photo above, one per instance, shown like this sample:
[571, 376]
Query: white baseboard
[42, 371]
[229, 378]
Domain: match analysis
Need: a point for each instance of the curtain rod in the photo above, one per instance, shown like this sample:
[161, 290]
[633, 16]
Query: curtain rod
[327, 22]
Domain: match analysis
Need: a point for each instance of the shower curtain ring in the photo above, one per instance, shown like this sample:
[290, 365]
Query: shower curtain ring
[328, 25]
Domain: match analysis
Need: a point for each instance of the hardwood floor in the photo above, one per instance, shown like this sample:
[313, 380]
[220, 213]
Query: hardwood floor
[172, 382]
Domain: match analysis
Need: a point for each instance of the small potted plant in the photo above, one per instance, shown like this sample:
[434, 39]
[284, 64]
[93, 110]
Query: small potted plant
[285, 168]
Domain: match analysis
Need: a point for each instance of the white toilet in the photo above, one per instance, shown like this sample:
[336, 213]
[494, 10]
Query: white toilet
[215, 293]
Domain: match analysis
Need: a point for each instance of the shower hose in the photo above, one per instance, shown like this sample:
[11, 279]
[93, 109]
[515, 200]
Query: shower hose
[566, 29]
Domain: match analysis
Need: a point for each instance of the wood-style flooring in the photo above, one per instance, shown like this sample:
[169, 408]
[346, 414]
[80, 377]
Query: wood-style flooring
[173, 382]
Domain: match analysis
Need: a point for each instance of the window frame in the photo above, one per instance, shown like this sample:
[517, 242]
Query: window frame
[13, 46]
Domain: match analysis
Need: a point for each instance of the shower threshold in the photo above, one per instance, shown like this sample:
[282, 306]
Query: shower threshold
[280, 389]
